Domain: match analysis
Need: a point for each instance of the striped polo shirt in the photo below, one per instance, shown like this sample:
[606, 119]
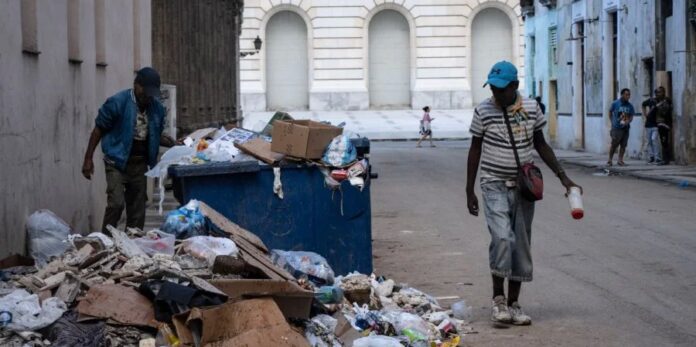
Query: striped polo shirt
[497, 157]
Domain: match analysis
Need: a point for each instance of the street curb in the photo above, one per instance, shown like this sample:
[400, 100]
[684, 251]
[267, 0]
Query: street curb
[624, 173]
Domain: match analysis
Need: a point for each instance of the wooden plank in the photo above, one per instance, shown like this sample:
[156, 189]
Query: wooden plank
[230, 227]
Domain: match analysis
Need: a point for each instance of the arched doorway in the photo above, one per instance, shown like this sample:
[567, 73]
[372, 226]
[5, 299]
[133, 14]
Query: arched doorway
[286, 62]
[491, 42]
[389, 57]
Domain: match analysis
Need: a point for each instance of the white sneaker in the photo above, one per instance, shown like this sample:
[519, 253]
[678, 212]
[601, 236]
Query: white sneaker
[518, 316]
[499, 311]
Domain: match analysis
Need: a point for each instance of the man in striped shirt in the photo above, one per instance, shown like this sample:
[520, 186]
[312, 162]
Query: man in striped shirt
[508, 214]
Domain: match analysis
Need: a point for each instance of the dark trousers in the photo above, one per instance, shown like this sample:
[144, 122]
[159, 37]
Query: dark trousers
[665, 143]
[126, 190]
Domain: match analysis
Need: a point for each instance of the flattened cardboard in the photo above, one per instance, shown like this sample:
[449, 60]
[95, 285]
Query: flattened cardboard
[292, 300]
[119, 303]
[303, 138]
[260, 150]
[256, 322]
[16, 260]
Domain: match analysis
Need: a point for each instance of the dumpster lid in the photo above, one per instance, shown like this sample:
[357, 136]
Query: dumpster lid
[215, 168]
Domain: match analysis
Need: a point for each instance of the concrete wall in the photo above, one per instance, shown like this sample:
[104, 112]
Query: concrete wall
[48, 105]
[338, 33]
[583, 121]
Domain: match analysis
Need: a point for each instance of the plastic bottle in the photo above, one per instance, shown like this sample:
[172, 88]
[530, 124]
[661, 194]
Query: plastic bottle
[5, 318]
[575, 200]
[166, 337]
[329, 294]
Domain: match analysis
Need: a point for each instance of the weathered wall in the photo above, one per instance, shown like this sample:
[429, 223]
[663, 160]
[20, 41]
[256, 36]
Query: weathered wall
[440, 54]
[636, 29]
[195, 47]
[48, 105]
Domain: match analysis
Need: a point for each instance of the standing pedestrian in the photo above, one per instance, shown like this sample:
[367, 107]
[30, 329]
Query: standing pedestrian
[663, 117]
[621, 114]
[129, 126]
[541, 104]
[505, 128]
[425, 130]
[651, 134]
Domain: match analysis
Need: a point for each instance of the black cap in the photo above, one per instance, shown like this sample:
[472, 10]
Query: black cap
[149, 79]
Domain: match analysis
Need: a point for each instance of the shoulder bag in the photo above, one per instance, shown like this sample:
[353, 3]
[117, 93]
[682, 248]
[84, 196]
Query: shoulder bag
[529, 179]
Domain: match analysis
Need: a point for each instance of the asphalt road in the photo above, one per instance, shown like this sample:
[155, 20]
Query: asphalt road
[623, 275]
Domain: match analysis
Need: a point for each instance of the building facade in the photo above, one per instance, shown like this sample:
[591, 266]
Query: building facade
[580, 54]
[59, 61]
[373, 54]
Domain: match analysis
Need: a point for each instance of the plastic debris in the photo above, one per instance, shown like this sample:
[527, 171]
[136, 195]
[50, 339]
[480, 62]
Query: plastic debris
[27, 313]
[209, 247]
[156, 241]
[47, 236]
[340, 152]
[307, 265]
[186, 221]
[377, 341]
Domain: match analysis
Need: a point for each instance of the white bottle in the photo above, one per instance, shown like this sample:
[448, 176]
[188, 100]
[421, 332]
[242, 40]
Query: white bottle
[575, 200]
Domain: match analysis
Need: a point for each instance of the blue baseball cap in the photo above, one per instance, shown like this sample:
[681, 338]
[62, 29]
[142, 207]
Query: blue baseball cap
[149, 78]
[502, 73]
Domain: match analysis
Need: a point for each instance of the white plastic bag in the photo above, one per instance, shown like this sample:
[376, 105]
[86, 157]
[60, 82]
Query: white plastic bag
[156, 241]
[26, 312]
[47, 236]
[175, 155]
[377, 341]
[309, 264]
[209, 247]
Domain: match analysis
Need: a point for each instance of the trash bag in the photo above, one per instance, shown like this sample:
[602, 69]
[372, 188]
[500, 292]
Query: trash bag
[47, 236]
[156, 241]
[305, 265]
[408, 324]
[67, 332]
[377, 341]
[186, 221]
[340, 152]
[209, 247]
[27, 313]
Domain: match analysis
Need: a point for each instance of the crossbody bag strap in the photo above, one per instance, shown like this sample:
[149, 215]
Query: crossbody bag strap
[512, 138]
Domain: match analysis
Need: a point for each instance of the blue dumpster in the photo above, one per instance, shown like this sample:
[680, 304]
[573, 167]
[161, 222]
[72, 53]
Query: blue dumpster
[337, 224]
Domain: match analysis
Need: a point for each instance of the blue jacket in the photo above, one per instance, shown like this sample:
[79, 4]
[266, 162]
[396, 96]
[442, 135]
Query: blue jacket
[117, 118]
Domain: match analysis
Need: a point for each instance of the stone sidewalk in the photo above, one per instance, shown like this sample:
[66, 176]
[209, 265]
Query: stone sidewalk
[675, 174]
[381, 124]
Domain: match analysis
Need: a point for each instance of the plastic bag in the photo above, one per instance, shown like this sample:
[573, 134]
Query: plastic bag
[186, 221]
[461, 311]
[340, 152]
[27, 313]
[377, 341]
[209, 247]
[404, 321]
[304, 264]
[156, 241]
[175, 155]
[47, 236]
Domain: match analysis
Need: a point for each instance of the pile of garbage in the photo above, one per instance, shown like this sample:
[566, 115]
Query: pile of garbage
[202, 281]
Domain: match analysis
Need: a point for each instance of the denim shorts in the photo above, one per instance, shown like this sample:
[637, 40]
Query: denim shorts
[509, 218]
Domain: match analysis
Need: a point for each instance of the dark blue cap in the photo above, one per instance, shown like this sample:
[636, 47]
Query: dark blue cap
[501, 74]
[149, 79]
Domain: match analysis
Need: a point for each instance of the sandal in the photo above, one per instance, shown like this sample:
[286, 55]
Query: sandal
[621, 163]
[609, 163]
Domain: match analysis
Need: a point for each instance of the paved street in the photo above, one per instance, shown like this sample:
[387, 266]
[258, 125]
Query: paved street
[624, 275]
[381, 124]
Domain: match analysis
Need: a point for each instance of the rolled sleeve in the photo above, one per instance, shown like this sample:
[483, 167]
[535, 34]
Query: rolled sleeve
[476, 127]
[108, 115]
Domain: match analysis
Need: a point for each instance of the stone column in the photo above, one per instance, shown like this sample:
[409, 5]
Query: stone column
[607, 74]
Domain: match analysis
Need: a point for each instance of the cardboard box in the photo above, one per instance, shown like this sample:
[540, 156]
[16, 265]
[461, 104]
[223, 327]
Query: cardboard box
[261, 150]
[292, 300]
[256, 322]
[303, 138]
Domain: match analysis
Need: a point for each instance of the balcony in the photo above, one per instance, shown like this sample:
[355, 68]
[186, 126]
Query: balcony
[548, 3]
[527, 8]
